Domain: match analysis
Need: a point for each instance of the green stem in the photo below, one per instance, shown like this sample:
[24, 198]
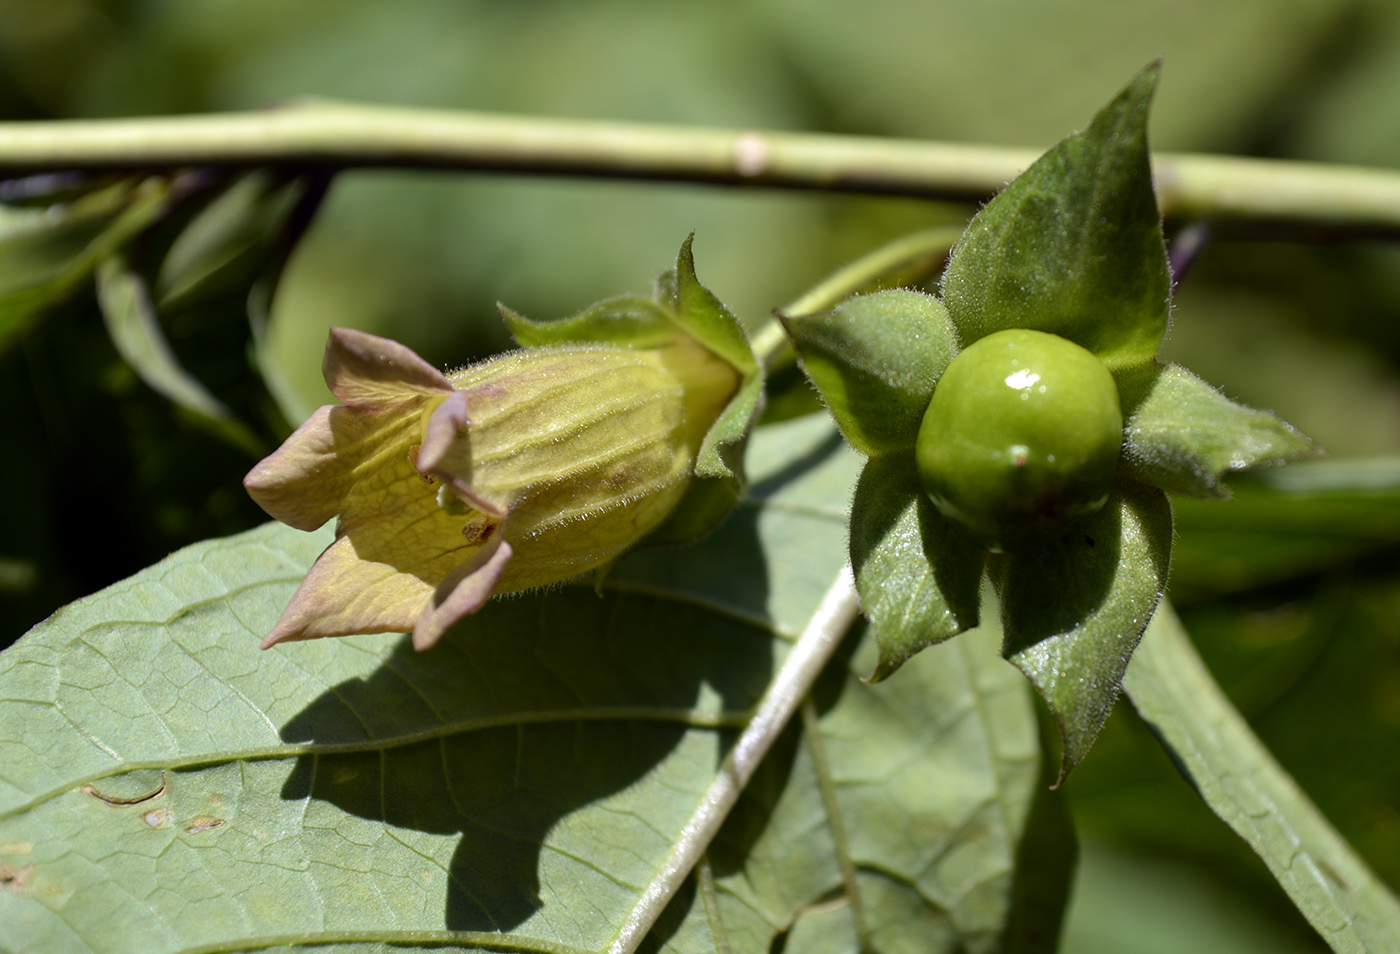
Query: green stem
[334, 135]
[917, 250]
[794, 680]
[1239, 779]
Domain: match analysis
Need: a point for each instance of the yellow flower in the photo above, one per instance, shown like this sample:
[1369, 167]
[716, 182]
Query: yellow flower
[519, 472]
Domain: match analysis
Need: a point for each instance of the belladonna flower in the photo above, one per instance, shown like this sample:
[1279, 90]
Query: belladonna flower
[1021, 428]
[525, 470]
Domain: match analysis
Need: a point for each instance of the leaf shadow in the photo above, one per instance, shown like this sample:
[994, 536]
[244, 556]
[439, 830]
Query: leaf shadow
[526, 713]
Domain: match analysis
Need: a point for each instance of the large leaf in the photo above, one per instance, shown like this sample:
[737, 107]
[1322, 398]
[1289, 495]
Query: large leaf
[164, 786]
[1074, 245]
[843, 813]
[1214, 747]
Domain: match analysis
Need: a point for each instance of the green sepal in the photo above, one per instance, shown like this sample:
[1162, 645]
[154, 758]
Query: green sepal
[918, 575]
[875, 359]
[704, 316]
[1074, 245]
[627, 320]
[1184, 436]
[719, 481]
[1073, 609]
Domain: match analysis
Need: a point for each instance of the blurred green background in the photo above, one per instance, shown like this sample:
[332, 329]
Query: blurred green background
[1296, 606]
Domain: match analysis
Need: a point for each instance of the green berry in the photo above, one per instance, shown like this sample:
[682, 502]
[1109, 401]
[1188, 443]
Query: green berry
[1021, 437]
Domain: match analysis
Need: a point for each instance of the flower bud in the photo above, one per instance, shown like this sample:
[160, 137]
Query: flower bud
[522, 471]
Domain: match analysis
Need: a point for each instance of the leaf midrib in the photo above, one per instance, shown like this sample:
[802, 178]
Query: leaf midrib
[724, 719]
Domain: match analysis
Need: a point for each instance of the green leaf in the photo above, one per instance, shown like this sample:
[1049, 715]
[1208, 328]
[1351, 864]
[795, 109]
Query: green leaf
[1074, 245]
[832, 814]
[919, 577]
[516, 788]
[1285, 522]
[626, 320]
[136, 333]
[1184, 436]
[227, 243]
[1074, 609]
[45, 255]
[875, 359]
[1243, 784]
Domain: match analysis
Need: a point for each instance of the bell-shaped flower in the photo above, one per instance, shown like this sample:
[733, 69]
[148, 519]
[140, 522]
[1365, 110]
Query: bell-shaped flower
[526, 470]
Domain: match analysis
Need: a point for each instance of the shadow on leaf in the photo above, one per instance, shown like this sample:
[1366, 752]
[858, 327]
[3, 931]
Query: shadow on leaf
[526, 713]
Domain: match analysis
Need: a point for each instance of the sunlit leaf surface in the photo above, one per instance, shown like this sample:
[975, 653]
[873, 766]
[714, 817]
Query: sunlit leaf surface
[165, 786]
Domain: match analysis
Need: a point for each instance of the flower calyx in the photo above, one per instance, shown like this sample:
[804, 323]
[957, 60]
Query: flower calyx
[1019, 426]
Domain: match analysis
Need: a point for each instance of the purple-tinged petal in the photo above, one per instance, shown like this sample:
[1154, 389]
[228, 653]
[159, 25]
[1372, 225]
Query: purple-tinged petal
[363, 369]
[443, 439]
[463, 592]
[345, 594]
[306, 481]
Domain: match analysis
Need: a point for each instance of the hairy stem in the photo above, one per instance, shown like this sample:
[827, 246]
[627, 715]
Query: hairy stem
[337, 135]
[809, 656]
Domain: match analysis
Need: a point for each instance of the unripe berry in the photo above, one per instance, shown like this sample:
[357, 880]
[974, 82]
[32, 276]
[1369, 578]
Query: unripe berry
[1021, 437]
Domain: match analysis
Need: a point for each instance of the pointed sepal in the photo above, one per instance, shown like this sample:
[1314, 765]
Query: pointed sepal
[918, 575]
[875, 359]
[1074, 609]
[1074, 245]
[627, 320]
[1184, 436]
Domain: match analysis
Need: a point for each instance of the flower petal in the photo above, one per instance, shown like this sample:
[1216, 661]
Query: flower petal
[447, 424]
[464, 592]
[363, 369]
[345, 594]
[307, 480]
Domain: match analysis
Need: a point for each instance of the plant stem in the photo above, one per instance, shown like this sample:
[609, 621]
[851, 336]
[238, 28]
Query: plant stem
[337, 135]
[770, 342]
[809, 656]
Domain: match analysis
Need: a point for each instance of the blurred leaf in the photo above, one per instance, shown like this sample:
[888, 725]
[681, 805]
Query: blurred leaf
[875, 359]
[1242, 783]
[45, 255]
[227, 243]
[919, 577]
[136, 333]
[1184, 436]
[1075, 608]
[1073, 246]
[1135, 903]
[1282, 523]
[523, 780]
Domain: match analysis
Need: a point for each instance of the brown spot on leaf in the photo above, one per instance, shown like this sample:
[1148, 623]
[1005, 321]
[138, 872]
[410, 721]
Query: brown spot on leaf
[124, 802]
[15, 879]
[201, 823]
